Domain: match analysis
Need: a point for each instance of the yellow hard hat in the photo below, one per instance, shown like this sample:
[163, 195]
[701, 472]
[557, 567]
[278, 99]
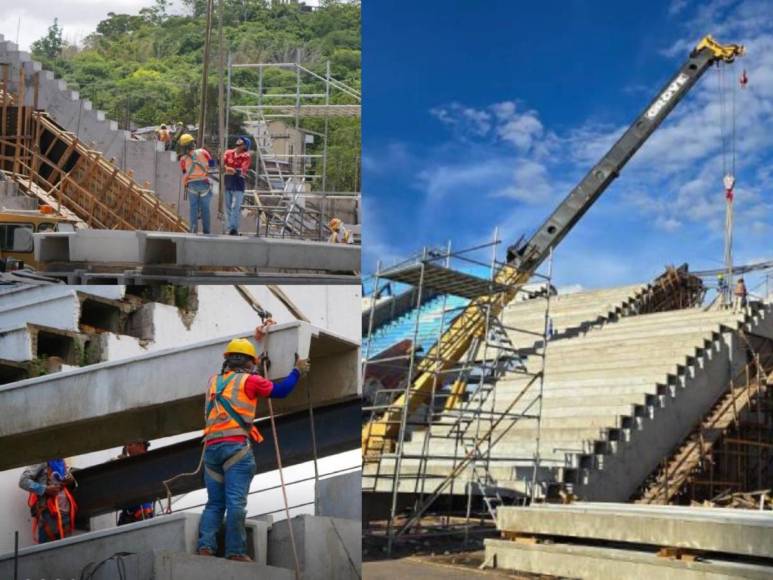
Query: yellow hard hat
[241, 346]
[185, 139]
[335, 223]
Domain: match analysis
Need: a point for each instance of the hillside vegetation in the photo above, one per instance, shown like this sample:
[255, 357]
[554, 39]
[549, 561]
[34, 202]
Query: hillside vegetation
[145, 69]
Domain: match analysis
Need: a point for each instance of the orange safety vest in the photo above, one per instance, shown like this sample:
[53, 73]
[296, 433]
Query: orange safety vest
[228, 411]
[196, 165]
[39, 504]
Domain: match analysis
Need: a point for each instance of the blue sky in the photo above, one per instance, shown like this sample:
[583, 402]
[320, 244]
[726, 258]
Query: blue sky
[484, 114]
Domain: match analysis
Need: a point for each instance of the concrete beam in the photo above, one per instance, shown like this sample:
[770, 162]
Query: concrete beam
[144, 543]
[109, 247]
[158, 394]
[592, 563]
[742, 532]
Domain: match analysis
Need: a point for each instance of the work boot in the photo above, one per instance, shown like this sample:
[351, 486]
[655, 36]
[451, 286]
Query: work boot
[240, 558]
[233, 233]
[205, 552]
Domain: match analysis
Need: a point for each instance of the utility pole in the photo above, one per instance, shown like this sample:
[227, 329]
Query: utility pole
[205, 76]
[220, 112]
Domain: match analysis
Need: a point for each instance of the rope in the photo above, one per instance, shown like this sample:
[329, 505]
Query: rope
[166, 482]
[279, 468]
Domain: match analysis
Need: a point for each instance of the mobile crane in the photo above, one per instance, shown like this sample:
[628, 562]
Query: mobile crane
[523, 258]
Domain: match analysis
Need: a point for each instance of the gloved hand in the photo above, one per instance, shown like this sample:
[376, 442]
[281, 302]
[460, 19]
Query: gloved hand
[302, 364]
[53, 489]
[262, 330]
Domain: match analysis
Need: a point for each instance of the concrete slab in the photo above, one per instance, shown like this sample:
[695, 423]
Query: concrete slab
[158, 394]
[742, 532]
[250, 252]
[597, 563]
[327, 547]
[102, 247]
[179, 566]
[69, 557]
[340, 496]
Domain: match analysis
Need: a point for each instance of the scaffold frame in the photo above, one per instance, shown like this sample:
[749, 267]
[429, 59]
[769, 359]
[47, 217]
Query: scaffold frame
[471, 422]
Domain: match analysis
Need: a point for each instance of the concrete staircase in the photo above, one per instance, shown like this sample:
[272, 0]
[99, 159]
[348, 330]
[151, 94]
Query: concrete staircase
[147, 160]
[571, 314]
[618, 398]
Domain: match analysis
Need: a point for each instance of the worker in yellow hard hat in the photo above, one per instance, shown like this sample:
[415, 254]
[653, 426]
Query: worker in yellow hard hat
[195, 164]
[232, 398]
[339, 234]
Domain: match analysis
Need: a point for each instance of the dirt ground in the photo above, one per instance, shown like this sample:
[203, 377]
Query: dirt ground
[448, 567]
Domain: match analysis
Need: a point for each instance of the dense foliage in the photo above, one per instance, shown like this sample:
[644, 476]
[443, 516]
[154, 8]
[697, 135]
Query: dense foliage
[146, 69]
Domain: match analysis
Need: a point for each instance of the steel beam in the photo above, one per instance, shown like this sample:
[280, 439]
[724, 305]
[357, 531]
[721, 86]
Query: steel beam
[109, 486]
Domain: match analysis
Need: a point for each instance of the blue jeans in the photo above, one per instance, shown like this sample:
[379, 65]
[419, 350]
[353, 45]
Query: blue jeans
[229, 496]
[199, 196]
[48, 524]
[233, 205]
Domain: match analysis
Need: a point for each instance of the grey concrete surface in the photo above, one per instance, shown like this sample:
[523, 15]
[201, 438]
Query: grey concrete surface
[158, 394]
[180, 566]
[732, 531]
[597, 563]
[109, 247]
[327, 547]
[340, 496]
[67, 558]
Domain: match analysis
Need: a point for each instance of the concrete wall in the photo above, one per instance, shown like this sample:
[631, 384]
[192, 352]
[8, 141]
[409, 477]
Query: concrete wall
[327, 547]
[340, 496]
[175, 533]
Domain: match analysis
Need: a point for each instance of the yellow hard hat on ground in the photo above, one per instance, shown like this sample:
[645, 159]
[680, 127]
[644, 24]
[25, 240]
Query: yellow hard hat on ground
[185, 139]
[241, 346]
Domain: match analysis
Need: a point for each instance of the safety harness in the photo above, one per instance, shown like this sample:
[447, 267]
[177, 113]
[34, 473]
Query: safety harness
[217, 398]
[39, 504]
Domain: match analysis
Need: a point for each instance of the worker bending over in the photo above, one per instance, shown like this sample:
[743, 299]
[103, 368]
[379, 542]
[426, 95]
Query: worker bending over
[143, 511]
[232, 398]
[51, 504]
[195, 164]
[339, 235]
[236, 162]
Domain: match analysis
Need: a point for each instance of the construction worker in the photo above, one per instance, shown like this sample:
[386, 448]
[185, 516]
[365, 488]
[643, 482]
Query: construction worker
[143, 511]
[195, 164]
[51, 504]
[232, 398]
[237, 163]
[722, 288]
[739, 296]
[339, 235]
[164, 136]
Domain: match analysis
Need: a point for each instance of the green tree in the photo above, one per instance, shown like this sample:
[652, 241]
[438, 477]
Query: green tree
[51, 45]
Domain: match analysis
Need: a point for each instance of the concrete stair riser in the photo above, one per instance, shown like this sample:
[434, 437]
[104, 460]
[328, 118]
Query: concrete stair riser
[146, 159]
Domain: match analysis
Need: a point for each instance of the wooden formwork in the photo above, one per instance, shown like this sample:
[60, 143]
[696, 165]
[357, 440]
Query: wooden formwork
[43, 156]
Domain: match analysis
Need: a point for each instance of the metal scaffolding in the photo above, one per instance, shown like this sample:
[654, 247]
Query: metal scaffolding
[291, 194]
[461, 406]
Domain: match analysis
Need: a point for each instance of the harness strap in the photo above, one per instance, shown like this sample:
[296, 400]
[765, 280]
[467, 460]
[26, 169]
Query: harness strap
[237, 457]
[229, 463]
[214, 474]
[250, 429]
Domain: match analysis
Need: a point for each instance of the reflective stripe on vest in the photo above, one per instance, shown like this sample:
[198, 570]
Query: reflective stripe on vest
[39, 504]
[236, 421]
[195, 166]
